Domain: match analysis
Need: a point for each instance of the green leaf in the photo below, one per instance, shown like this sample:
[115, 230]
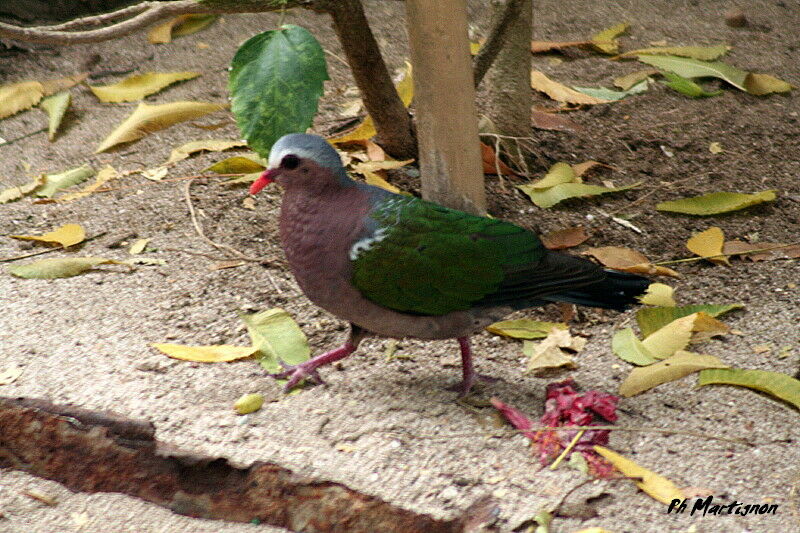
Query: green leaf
[524, 328]
[652, 319]
[716, 202]
[612, 95]
[630, 349]
[55, 106]
[558, 193]
[779, 385]
[675, 367]
[59, 267]
[55, 182]
[703, 53]
[276, 81]
[277, 337]
[686, 86]
[693, 68]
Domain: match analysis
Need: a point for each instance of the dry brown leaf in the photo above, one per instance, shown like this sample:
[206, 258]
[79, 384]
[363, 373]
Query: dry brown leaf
[491, 162]
[628, 260]
[565, 238]
[582, 168]
[553, 121]
[708, 244]
[560, 92]
[771, 251]
[163, 33]
[62, 84]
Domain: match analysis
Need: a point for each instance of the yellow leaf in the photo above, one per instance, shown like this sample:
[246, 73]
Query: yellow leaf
[59, 267]
[377, 180]
[16, 97]
[708, 244]
[654, 485]
[366, 130]
[239, 164]
[671, 338]
[716, 202]
[55, 106]
[138, 86]
[549, 353]
[658, 294]
[15, 193]
[559, 173]
[210, 145]
[205, 354]
[149, 118]
[105, 174]
[369, 169]
[629, 80]
[715, 148]
[627, 260]
[560, 92]
[703, 53]
[249, 403]
[66, 235]
[61, 84]
[524, 328]
[606, 40]
[179, 26]
[706, 326]
[761, 84]
[675, 367]
[138, 246]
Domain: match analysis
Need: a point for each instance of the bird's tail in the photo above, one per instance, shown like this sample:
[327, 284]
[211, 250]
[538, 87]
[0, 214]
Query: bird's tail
[617, 291]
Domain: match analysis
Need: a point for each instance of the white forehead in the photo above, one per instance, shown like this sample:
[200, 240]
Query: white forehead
[277, 155]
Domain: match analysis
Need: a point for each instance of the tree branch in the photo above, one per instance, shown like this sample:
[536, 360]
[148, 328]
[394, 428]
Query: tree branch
[497, 37]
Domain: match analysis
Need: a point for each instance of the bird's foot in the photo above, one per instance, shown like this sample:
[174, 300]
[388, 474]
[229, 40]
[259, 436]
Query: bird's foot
[308, 369]
[465, 387]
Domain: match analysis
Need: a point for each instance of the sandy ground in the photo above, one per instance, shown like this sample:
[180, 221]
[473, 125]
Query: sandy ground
[391, 428]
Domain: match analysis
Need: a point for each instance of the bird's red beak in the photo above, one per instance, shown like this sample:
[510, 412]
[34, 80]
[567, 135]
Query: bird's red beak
[267, 177]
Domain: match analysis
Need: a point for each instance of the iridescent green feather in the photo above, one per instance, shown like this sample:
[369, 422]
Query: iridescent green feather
[433, 260]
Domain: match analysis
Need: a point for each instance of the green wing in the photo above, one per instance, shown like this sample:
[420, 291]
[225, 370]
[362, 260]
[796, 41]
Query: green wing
[428, 259]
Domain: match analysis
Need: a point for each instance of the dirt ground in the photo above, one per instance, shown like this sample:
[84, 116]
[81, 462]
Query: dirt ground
[390, 428]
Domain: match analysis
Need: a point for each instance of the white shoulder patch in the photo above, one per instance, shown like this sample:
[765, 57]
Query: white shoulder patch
[366, 243]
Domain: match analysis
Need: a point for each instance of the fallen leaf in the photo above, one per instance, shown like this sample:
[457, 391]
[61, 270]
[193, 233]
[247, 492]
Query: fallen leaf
[55, 182]
[670, 338]
[277, 337]
[209, 145]
[15, 193]
[59, 267]
[654, 485]
[538, 47]
[627, 260]
[658, 294]
[675, 367]
[524, 328]
[55, 106]
[766, 251]
[138, 86]
[45, 498]
[715, 148]
[10, 375]
[611, 95]
[560, 92]
[249, 203]
[16, 97]
[565, 191]
[606, 41]
[761, 84]
[105, 175]
[149, 118]
[716, 202]
[705, 327]
[629, 348]
[66, 235]
[155, 174]
[366, 130]
[557, 174]
[687, 87]
[565, 238]
[762, 348]
[374, 151]
[708, 245]
[693, 68]
[629, 80]
[138, 246]
[249, 403]
[179, 26]
[545, 355]
[205, 354]
[651, 319]
[62, 84]
[553, 121]
[779, 385]
[491, 162]
[581, 169]
[703, 53]
[370, 169]
[239, 164]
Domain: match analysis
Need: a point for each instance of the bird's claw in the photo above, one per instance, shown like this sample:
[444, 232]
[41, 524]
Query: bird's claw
[297, 373]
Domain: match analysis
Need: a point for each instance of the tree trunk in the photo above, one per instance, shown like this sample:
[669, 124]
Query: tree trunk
[392, 120]
[444, 99]
[507, 83]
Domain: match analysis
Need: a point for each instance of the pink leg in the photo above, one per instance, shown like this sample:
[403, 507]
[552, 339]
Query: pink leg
[467, 368]
[297, 373]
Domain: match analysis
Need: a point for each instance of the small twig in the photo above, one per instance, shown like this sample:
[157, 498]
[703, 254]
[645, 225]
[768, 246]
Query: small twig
[54, 249]
[568, 449]
[341, 60]
[494, 42]
[748, 252]
[497, 165]
[25, 136]
[98, 20]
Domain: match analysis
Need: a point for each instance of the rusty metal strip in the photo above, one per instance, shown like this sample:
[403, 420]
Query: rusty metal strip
[92, 451]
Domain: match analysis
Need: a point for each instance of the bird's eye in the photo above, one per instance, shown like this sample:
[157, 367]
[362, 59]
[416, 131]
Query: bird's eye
[290, 162]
